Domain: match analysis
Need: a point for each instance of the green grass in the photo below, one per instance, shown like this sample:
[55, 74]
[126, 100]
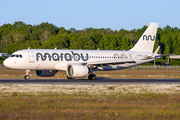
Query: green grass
[84, 106]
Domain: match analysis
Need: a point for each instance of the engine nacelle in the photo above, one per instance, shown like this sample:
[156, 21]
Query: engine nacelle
[45, 73]
[74, 71]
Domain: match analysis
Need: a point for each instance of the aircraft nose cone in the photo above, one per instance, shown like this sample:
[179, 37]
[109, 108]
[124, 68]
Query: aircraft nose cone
[6, 62]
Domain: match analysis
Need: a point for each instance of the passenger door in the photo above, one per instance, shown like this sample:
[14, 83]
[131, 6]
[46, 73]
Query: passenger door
[31, 57]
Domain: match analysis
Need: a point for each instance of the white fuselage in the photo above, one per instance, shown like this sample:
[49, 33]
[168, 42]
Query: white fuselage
[54, 59]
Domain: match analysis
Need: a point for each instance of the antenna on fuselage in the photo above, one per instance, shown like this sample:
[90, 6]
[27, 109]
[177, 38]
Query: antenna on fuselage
[28, 47]
[55, 48]
[98, 49]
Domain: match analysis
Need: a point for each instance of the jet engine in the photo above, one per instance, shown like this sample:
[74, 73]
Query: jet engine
[75, 71]
[45, 73]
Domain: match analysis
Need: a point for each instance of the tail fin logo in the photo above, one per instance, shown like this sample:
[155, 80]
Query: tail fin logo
[149, 37]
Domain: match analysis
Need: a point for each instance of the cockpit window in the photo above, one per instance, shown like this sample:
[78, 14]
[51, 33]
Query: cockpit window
[16, 55]
[12, 55]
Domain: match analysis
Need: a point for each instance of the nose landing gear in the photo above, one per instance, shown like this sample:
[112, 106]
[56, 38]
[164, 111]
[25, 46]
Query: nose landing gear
[26, 77]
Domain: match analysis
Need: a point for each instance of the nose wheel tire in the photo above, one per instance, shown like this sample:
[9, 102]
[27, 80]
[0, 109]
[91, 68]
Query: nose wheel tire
[26, 77]
[92, 77]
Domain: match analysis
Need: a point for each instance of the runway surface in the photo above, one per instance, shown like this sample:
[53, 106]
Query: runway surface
[85, 81]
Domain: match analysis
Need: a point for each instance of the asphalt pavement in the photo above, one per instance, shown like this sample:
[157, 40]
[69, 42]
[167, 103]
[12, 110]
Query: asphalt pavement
[86, 81]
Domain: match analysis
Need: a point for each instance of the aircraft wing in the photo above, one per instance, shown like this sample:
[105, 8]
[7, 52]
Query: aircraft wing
[108, 63]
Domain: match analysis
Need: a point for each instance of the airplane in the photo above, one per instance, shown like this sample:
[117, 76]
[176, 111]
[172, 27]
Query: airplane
[82, 63]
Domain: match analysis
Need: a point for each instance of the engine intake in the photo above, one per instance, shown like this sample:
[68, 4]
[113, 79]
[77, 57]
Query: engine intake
[74, 71]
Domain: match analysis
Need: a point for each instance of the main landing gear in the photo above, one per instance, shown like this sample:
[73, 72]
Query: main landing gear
[26, 77]
[92, 77]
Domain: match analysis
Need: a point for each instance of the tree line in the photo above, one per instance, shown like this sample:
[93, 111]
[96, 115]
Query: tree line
[19, 36]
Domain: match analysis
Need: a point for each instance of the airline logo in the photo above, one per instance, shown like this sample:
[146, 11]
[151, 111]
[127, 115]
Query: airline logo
[149, 37]
[61, 56]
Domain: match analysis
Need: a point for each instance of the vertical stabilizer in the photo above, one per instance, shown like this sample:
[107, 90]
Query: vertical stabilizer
[146, 41]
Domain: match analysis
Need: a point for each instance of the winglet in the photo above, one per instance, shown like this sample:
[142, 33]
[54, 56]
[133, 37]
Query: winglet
[153, 55]
[155, 52]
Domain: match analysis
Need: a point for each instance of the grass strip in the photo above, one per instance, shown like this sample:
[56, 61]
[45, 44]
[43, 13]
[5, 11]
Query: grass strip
[50, 105]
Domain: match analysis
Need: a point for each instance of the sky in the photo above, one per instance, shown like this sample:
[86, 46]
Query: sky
[80, 14]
